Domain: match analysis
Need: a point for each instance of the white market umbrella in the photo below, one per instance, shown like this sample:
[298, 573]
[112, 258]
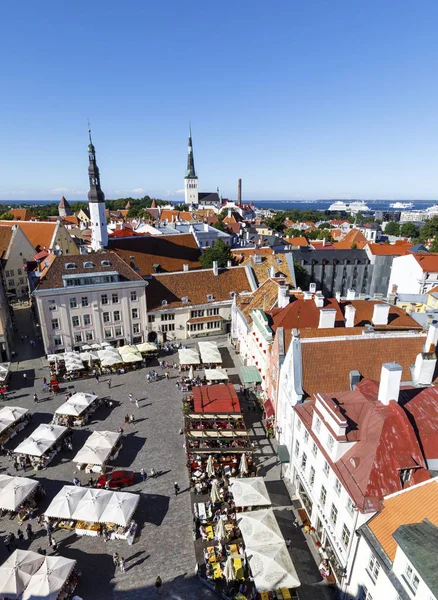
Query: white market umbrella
[74, 410]
[110, 361]
[86, 347]
[216, 374]
[95, 346]
[82, 398]
[188, 356]
[272, 567]
[229, 573]
[243, 466]
[15, 490]
[147, 347]
[50, 578]
[210, 466]
[120, 508]
[210, 352]
[10, 414]
[249, 491]
[91, 505]
[259, 528]
[65, 502]
[105, 344]
[219, 532]
[214, 493]
[16, 572]
[131, 358]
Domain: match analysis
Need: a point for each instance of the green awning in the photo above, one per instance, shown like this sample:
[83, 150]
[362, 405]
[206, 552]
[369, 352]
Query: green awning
[250, 375]
[283, 454]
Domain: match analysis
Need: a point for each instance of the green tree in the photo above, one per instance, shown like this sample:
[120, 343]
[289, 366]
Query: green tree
[353, 246]
[409, 230]
[184, 207]
[219, 225]
[319, 234]
[276, 222]
[434, 245]
[6, 216]
[392, 228]
[219, 251]
[292, 232]
[324, 225]
[429, 229]
[300, 275]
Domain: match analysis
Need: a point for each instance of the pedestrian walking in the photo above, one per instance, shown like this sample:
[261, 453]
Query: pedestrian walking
[20, 535]
[122, 564]
[76, 481]
[153, 473]
[35, 398]
[7, 542]
[12, 540]
[296, 524]
[109, 384]
[25, 375]
[54, 545]
[176, 488]
[158, 584]
[143, 474]
[131, 419]
[288, 543]
[126, 418]
[29, 532]
[116, 559]
[131, 399]
[167, 374]
[136, 403]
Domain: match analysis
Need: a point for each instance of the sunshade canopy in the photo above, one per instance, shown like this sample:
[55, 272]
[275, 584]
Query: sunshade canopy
[209, 352]
[249, 491]
[97, 448]
[120, 508]
[65, 502]
[50, 578]
[259, 528]
[188, 356]
[16, 572]
[216, 375]
[250, 375]
[41, 440]
[76, 404]
[272, 567]
[15, 490]
[147, 347]
[217, 399]
[4, 370]
[82, 398]
[9, 415]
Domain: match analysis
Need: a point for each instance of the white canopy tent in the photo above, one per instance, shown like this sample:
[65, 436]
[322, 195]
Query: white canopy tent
[50, 578]
[216, 375]
[249, 491]
[97, 448]
[17, 571]
[89, 355]
[65, 502]
[259, 528]
[76, 404]
[41, 440]
[91, 505]
[4, 371]
[147, 347]
[188, 356]
[15, 490]
[209, 352]
[120, 508]
[130, 354]
[82, 398]
[9, 415]
[272, 567]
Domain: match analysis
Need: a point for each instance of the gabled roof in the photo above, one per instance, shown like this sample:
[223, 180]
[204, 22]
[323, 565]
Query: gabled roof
[297, 241]
[389, 249]
[354, 236]
[39, 233]
[195, 286]
[22, 214]
[176, 215]
[406, 507]
[428, 261]
[169, 252]
[267, 260]
[5, 240]
[264, 298]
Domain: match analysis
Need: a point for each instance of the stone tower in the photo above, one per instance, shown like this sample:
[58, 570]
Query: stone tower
[64, 208]
[190, 180]
[96, 201]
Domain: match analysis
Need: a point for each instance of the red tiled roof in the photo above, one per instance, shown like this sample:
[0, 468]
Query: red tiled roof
[390, 249]
[354, 236]
[175, 215]
[297, 241]
[428, 261]
[216, 399]
[423, 409]
[122, 233]
[5, 239]
[22, 214]
[39, 233]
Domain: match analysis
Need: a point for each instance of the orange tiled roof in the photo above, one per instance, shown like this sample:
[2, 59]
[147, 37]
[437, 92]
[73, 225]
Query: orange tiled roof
[297, 241]
[195, 285]
[39, 233]
[390, 249]
[268, 260]
[22, 214]
[264, 298]
[354, 236]
[408, 507]
[71, 219]
[176, 215]
[428, 261]
[5, 238]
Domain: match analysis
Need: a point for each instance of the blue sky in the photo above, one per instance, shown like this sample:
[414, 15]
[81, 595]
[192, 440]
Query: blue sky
[302, 99]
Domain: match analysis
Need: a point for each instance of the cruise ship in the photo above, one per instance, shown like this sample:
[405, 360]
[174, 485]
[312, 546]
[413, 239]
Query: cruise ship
[402, 205]
[352, 207]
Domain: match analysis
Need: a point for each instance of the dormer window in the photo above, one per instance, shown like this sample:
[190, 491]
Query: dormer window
[405, 475]
[88, 265]
[210, 297]
[184, 300]
[70, 266]
[330, 442]
[163, 302]
[105, 263]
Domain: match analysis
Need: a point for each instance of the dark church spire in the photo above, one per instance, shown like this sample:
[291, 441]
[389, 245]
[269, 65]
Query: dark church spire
[190, 173]
[95, 194]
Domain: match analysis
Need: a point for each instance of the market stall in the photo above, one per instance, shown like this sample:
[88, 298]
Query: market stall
[5, 372]
[76, 411]
[29, 575]
[272, 567]
[109, 357]
[217, 441]
[12, 420]
[210, 353]
[130, 354]
[214, 400]
[100, 448]
[216, 375]
[92, 511]
[259, 528]
[148, 349]
[19, 495]
[249, 491]
[44, 443]
[188, 356]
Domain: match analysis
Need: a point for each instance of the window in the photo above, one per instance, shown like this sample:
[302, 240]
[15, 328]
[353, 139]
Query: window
[134, 297]
[51, 303]
[168, 327]
[108, 332]
[194, 314]
[78, 337]
[136, 328]
[89, 336]
[364, 594]
[88, 265]
[297, 448]
[350, 506]
[70, 266]
[84, 301]
[106, 317]
[116, 315]
[75, 321]
[338, 486]
[167, 317]
[345, 535]
[373, 567]
[298, 424]
[304, 461]
[326, 468]
[118, 330]
[212, 312]
[312, 476]
[330, 441]
[115, 298]
[105, 263]
[405, 475]
[7, 273]
[214, 325]
[411, 578]
[87, 320]
[196, 327]
[12, 272]
[104, 299]
[151, 318]
[57, 340]
[134, 312]
[19, 271]
[306, 437]
[333, 514]
[314, 449]
[55, 323]
[11, 283]
[323, 495]
[73, 303]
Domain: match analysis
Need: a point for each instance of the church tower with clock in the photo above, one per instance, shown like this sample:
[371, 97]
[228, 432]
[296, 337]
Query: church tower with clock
[190, 179]
[96, 202]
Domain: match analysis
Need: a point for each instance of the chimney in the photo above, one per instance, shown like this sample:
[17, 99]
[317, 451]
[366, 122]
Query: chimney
[351, 294]
[312, 288]
[350, 313]
[215, 268]
[380, 314]
[432, 337]
[283, 297]
[390, 378]
[205, 226]
[355, 377]
[229, 264]
[271, 272]
[132, 261]
[239, 192]
[424, 368]
[319, 300]
[185, 267]
[327, 317]
[338, 296]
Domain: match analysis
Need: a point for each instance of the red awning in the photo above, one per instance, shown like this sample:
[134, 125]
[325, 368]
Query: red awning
[269, 409]
[219, 399]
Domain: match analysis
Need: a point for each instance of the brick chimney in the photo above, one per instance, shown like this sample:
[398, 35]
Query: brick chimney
[432, 337]
[350, 313]
[380, 314]
[424, 368]
[390, 379]
[327, 318]
[283, 297]
[215, 268]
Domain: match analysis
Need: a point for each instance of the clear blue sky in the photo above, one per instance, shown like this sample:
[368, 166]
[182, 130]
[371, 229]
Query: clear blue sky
[300, 98]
